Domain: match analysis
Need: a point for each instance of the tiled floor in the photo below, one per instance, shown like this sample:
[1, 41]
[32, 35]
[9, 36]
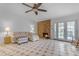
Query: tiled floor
[40, 48]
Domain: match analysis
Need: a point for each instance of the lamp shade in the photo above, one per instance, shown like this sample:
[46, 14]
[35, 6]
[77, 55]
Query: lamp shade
[7, 29]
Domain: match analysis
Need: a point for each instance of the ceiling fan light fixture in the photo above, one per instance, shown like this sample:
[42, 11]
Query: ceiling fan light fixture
[34, 10]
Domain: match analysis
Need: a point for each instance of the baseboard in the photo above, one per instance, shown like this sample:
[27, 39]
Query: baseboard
[62, 40]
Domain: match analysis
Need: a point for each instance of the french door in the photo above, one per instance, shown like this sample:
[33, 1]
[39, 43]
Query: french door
[64, 31]
[61, 30]
[71, 30]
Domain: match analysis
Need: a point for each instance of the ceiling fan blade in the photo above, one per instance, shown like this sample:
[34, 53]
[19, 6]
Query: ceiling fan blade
[27, 5]
[28, 11]
[36, 12]
[39, 4]
[42, 10]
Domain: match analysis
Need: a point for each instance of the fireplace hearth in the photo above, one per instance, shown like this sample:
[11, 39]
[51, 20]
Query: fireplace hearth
[45, 35]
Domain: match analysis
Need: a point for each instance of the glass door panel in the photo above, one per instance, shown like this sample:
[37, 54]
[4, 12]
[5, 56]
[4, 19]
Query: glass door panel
[55, 31]
[71, 30]
[61, 30]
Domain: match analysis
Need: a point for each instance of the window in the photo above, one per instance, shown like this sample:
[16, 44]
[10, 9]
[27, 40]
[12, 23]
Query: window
[55, 30]
[70, 30]
[61, 30]
[65, 30]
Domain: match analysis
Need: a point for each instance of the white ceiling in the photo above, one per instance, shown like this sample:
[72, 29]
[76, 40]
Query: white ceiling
[17, 11]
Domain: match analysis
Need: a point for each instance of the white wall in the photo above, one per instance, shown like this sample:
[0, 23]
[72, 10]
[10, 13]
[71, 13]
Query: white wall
[16, 25]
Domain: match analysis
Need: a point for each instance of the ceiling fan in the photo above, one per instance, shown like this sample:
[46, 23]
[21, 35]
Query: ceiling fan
[35, 8]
